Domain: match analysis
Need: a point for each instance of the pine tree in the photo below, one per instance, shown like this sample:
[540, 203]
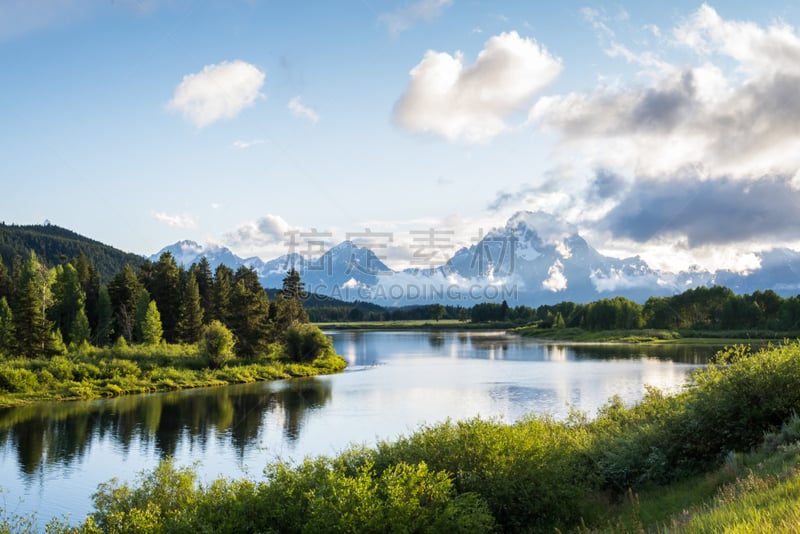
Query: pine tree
[249, 314]
[152, 331]
[289, 310]
[141, 313]
[191, 325]
[124, 290]
[223, 284]
[80, 331]
[68, 300]
[89, 280]
[166, 291]
[6, 328]
[205, 286]
[30, 308]
[105, 318]
[6, 284]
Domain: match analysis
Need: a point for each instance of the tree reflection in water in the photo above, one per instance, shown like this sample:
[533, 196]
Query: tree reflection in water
[62, 433]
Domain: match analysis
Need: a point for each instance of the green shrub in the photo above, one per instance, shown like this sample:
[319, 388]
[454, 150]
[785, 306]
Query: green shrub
[217, 344]
[306, 342]
[17, 380]
[61, 368]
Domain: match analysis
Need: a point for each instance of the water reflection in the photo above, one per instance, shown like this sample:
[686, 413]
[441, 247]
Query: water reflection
[697, 354]
[60, 434]
[53, 456]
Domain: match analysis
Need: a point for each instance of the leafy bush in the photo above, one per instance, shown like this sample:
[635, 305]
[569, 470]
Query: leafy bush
[316, 496]
[306, 342]
[17, 380]
[61, 368]
[217, 344]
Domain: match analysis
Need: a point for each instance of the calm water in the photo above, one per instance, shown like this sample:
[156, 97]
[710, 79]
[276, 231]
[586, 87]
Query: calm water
[53, 456]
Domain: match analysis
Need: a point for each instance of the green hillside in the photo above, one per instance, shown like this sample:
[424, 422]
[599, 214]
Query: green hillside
[53, 244]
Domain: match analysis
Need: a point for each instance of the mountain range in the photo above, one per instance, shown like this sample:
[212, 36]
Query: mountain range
[534, 259]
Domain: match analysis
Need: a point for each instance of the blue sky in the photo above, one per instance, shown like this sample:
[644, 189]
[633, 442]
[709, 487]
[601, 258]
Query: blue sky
[669, 130]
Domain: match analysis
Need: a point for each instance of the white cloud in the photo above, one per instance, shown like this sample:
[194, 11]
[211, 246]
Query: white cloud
[556, 281]
[301, 110]
[241, 144]
[267, 236]
[179, 221]
[757, 50]
[471, 103]
[597, 19]
[217, 92]
[406, 17]
[741, 122]
[693, 164]
[616, 280]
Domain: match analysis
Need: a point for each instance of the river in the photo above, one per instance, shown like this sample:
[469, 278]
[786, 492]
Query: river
[53, 455]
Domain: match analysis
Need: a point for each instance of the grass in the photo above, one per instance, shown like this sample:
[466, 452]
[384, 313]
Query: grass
[751, 493]
[654, 336]
[90, 372]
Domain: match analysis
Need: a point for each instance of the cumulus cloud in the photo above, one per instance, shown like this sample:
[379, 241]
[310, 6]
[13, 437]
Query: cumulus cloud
[264, 232]
[691, 163]
[556, 281]
[179, 221]
[217, 92]
[301, 110]
[471, 103]
[742, 122]
[616, 280]
[408, 16]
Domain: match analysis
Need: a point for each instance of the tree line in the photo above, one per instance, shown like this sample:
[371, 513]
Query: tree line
[701, 308]
[43, 310]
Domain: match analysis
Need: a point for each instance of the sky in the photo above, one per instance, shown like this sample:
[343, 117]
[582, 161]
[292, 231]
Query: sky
[668, 130]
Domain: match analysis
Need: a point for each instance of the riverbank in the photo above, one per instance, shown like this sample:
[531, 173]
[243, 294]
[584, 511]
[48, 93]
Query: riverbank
[653, 336]
[417, 325]
[721, 453]
[90, 372]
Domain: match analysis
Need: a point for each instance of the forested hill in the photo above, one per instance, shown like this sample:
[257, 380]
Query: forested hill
[52, 244]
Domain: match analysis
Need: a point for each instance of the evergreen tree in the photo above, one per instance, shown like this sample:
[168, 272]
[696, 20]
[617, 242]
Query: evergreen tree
[6, 328]
[191, 312]
[105, 318]
[142, 303]
[80, 331]
[205, 287]
[249, 314]
[223, 283]
[55, 344]
[124, 290]
[152, 331]
[68, 300]
[89, 279]
[6, 284]
[166, 291]
[30, 308]
[289, 310]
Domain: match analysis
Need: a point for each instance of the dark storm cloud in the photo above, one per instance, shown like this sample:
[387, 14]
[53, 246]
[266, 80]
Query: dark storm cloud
[606, 184]
[664, 108]
[708, 212]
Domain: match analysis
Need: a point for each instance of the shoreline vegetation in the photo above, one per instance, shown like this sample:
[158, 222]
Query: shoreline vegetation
[722, 453]
[578, 335]
[91, 372]
[65, 336]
